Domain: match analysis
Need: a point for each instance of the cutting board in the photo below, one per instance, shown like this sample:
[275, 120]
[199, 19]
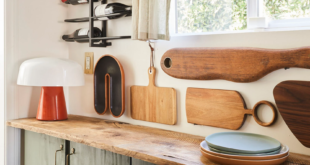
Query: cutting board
[233, 64]
[293, 101]
[221, 108]
[109, 86]
[152, 103]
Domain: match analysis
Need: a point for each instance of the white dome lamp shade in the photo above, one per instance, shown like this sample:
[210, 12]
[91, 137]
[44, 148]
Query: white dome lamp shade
[52, 74]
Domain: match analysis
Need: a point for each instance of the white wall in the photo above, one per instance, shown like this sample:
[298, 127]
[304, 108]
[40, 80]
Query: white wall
[33, 29]
[2, 109]
[134, 56]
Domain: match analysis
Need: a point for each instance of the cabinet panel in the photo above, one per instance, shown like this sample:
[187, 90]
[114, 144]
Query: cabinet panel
[86, 155]
[39, 149]
[140, 162]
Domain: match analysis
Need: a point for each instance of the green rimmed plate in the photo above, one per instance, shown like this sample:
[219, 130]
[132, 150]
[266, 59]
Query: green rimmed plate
[239, 142]
[244, 154]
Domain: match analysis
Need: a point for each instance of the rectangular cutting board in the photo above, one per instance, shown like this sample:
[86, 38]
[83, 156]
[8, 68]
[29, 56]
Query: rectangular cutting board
[232, 64]
[152, 103]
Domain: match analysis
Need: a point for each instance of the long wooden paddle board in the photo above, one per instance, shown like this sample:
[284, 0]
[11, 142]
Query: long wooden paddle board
[221, 108]
[233, 64]
[152, 103]
[293, 101]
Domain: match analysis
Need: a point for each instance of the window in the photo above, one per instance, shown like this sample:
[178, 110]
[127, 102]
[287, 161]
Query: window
[196, 16]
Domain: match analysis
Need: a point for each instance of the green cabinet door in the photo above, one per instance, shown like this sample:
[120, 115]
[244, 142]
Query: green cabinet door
[140, 162]
[86, 155]
[39, 149]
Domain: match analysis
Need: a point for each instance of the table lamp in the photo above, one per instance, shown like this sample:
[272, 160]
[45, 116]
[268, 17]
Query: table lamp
[51, 74]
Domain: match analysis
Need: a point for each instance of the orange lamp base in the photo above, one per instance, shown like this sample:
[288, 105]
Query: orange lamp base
[52, 105]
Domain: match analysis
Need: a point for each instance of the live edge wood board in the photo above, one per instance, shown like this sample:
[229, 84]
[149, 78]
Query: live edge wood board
[233, 64]
[140, 142]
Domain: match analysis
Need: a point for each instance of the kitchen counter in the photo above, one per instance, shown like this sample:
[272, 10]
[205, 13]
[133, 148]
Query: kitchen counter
[149, 144]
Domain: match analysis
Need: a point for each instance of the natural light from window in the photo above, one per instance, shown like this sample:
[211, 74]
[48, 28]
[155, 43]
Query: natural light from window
[197, 16]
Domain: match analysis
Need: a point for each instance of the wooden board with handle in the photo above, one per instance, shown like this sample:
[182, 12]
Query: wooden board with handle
[154, 104]
[293, 101]
[233, 64]
[221, 108]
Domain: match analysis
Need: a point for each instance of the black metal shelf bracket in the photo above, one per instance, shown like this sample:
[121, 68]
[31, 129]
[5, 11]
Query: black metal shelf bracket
[104, 42]
[97, 18]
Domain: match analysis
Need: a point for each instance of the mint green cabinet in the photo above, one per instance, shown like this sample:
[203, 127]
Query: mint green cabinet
[39, 149]
[86, 155]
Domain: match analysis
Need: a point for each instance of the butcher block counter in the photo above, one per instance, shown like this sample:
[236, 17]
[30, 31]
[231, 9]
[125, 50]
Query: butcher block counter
[149, 144]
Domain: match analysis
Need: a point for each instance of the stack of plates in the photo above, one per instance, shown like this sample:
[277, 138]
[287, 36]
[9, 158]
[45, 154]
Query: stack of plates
[237, 148]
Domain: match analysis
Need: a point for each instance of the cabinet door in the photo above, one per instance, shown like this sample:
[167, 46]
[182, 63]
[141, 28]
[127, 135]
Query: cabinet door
[140, 162]
[39, 149]
[86, 155]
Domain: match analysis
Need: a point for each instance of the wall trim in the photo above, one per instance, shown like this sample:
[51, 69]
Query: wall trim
[12, 135]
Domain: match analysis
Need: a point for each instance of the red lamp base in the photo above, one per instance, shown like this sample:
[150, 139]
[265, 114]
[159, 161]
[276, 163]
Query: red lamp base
[52, 105]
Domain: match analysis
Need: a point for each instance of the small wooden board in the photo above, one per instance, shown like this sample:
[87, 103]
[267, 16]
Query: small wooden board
[221, 108]
[293, 101]
[233, 64]
[154, 104]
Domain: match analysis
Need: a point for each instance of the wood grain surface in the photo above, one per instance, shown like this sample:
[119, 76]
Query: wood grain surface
[221, 108]
[154, 104]
[148, 144]
[293, 101]
[233, 64]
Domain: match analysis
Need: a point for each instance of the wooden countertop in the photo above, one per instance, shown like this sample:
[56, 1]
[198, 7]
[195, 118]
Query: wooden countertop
[149, 144]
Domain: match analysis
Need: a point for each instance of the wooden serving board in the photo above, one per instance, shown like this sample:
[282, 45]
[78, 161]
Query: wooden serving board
[293, 101]
[221, 108]
[154, 104]
[233, 64]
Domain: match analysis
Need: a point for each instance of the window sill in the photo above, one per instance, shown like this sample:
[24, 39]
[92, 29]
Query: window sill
[242, 31]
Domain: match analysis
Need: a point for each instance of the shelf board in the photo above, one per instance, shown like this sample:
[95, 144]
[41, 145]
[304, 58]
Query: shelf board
[149, 144]
[99, 38]
[86, 19]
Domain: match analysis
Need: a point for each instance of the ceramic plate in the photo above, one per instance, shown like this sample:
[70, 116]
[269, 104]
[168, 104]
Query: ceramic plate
[244, 154]
[231, 161]
[243, 142]
[284, 151]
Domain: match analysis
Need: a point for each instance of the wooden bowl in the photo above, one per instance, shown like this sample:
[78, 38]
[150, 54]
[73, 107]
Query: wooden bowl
[230, 161]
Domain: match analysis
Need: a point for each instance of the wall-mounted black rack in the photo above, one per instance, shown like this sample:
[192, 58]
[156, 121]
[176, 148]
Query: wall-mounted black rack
[99, 38]
[86, 19]
[95, 41]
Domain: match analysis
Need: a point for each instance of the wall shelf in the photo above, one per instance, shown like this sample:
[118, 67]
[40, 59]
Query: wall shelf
[86, 19]
[99, 38]
[93, 42]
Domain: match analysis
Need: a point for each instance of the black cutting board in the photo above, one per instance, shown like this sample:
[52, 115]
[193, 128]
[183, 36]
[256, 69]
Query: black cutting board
[109, 86]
